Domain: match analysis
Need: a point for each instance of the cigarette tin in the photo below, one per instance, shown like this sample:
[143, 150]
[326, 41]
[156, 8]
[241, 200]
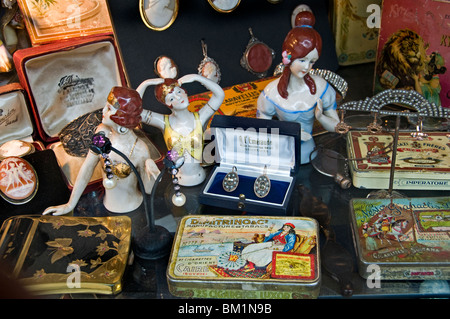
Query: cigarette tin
[419, 164]
[402, 238]
[245, 257]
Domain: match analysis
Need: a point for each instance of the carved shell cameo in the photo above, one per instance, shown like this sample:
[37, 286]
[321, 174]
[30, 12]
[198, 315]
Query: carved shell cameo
[18, 180]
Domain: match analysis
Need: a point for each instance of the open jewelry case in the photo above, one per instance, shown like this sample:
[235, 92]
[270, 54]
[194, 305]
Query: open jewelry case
[260, 152]
[78, 75]
[18, 143]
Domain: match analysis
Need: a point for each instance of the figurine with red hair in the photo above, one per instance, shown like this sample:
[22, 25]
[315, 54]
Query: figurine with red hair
[297, 95]
[121, 115]
[182, 129]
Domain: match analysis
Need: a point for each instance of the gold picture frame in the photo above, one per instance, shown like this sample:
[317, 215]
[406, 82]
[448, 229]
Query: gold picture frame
[158, 15]
[224, 6]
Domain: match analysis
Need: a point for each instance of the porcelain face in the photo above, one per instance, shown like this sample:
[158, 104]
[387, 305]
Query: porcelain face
[301, 66]
[177, 99]
[108, 110]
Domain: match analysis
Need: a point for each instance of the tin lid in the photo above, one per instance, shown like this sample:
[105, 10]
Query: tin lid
[246, 248]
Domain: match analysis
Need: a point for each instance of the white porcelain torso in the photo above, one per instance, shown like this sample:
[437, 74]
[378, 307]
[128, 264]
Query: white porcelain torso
[191, 173]
[126, 188]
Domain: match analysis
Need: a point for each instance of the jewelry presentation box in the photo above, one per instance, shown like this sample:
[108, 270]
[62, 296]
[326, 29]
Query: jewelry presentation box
[17, 131]
[256, 150]
[67, 79]
[239, 257]
[420, 164]
[48, 180]
[402, 238]
[60, 254]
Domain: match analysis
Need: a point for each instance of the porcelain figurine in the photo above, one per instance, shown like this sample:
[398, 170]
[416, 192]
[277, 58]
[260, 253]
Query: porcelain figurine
[297, 95]
[183, 129]
[121, 114]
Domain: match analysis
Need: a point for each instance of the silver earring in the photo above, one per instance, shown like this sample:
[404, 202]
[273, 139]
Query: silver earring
[231, 180]
[261, 186]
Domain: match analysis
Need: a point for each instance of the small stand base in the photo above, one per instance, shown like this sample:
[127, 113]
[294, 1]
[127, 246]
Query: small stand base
[152, 245]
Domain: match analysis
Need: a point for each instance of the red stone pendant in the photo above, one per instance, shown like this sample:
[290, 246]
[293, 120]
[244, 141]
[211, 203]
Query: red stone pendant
[18, 180]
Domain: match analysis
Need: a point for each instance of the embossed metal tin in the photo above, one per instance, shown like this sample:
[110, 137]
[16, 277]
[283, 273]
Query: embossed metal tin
[245, 257]
[420, 164]
[18, 180]
[402, 238]
[61, 254]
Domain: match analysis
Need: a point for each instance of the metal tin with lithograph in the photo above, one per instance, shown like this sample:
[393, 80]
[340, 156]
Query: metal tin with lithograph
[402, 238]
[240, 257]
[18, 180]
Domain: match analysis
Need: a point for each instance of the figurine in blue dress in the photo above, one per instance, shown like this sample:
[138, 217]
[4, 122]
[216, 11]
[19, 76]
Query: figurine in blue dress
[297, 95]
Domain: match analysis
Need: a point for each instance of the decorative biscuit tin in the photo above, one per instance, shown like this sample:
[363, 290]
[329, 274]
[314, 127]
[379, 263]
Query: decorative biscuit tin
[245, 257]
[419, 164]
[402, 238]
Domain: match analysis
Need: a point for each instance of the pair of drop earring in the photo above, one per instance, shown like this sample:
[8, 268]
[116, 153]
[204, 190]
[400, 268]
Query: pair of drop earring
[261, 186]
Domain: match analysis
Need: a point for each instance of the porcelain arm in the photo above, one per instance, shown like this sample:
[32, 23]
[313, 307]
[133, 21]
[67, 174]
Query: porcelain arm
[84, 176]
[149, 117]
[217, 97]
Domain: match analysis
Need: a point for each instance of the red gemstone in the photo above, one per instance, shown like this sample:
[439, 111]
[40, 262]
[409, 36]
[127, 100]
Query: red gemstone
[259, 58]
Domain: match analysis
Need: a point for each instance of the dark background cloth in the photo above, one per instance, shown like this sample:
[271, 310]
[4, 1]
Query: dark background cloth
[225, 34]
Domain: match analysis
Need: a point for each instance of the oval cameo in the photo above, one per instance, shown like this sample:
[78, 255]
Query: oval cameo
[18, 180]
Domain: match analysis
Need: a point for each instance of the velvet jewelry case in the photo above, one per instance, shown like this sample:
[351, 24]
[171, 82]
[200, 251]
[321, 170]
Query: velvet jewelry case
[253, 148]
[67, 79]
[16, 124]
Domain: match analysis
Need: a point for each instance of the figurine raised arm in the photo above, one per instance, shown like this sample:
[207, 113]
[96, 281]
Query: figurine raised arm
[121, 114]
[183, 129]
[297, 95]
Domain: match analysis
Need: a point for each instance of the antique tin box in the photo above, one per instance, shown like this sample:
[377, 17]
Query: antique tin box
[402, 238]
[253, 148]
[420, 164]
[242, 257]
[67, 79]
[59, 254]
[355, 28]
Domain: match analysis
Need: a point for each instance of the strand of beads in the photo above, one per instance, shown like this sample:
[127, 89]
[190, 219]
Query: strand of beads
[173, 162]
[102, 145]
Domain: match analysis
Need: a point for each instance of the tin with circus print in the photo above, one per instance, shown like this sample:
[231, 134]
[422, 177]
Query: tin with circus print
[402, 238]
[255, 257]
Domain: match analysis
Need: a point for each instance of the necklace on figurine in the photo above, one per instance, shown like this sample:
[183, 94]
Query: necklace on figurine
[173, 162]
[101, 145]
